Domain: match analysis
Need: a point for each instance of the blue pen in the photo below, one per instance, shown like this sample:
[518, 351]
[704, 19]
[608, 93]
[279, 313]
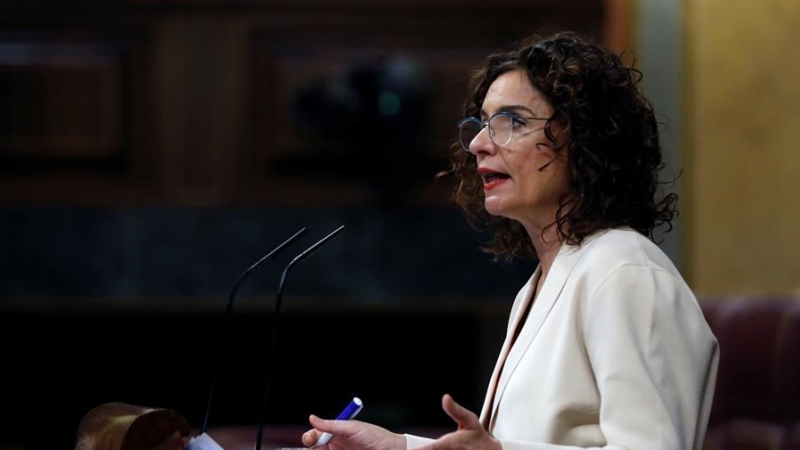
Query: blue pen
[348, 413]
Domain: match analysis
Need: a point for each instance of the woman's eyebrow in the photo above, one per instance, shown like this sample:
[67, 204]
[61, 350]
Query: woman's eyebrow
[514, 109]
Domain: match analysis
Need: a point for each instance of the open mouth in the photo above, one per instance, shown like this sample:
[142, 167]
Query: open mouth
[491, 177]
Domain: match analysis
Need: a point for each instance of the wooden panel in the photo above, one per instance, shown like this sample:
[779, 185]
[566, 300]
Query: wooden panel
[61, 100]
[71, 120]
[352, 109]
[59, 111]
[355, 119]
[199, 103]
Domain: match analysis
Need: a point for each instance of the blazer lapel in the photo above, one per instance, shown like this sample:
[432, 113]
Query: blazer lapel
[551, 289]
[517, 311]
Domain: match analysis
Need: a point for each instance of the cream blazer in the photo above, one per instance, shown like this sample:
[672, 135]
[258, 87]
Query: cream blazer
[615, 353]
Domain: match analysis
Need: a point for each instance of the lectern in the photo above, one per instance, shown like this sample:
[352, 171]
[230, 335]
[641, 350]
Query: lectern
[122, 426]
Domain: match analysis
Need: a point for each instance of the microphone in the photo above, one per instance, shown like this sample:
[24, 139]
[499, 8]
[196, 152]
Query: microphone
[226, 325]
[544, 166]
[274, 341]
[548, 163]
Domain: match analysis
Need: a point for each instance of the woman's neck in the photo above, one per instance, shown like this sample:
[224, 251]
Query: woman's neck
[547, 245]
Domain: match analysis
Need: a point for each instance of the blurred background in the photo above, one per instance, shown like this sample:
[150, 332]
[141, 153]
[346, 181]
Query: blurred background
[152, 150]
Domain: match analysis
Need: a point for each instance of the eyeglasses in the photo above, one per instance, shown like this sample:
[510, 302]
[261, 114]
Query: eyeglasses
[502, 128]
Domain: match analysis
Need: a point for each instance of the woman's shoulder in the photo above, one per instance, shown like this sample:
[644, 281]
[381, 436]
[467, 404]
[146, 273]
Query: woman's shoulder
[617, 247]
[625, 259]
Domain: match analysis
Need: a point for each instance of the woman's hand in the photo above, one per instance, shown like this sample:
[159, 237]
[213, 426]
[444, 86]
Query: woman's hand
[352, 435]
[470, 434]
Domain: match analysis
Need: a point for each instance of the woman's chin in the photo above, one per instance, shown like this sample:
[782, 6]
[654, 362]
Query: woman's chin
[493, 206]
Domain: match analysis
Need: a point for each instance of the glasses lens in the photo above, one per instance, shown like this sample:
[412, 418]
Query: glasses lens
[500, 126]
[467, 130]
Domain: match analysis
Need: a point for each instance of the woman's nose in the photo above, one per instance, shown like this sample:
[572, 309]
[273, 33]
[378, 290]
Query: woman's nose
[482, 143]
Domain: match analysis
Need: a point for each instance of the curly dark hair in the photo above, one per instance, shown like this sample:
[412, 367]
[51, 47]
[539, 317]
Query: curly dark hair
[610, 136]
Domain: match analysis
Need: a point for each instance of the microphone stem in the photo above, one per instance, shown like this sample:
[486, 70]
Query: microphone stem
[273, 348]
[223, 339]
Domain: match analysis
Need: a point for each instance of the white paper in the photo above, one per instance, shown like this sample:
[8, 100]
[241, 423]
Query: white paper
[203, 442]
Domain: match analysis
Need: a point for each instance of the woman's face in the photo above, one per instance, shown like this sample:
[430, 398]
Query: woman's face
[524, 179]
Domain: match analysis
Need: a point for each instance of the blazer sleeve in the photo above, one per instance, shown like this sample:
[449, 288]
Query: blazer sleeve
[654, 360]
[413, 442]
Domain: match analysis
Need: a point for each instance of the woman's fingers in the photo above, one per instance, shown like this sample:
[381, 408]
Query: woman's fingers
[310, 437]
[462, 416]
